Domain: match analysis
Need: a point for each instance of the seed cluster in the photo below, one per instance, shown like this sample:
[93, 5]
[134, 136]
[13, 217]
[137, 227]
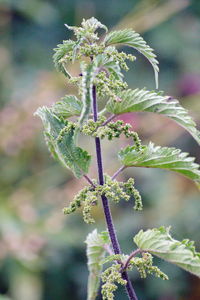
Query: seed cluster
[70, 126]
[90, 201]
[91, 126]
[78, 200]
[116, 191]
[91, 50]
[111, 277]
[111, 130]
[119, 57]
[108, 85]
[131, 190]
[112, 189]
[145, 266]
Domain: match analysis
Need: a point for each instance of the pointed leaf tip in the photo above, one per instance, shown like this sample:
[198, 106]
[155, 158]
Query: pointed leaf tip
[150, 101]
[132, 39]
[168, 158]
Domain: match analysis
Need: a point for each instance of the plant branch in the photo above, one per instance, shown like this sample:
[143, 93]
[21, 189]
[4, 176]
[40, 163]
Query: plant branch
[130, 257]
[89, 180]
[108, 249]
[118, 171]
[106, 208]
[108, 120]
[102, 112]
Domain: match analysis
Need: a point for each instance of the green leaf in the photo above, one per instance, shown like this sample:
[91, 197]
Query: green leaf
[131, 38]
[61, 56]
[88, 73]
[150, 101]
[159, 242]
[152, 156]
[60, 139]
[69, 106]
[95, 253]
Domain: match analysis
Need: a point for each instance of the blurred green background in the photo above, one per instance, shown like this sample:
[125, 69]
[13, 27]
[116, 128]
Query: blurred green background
[42, 252]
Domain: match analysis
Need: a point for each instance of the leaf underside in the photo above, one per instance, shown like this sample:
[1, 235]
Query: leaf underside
[150, 101]
[69, 106]
[159, 242]
[63, 147]
[95, 253]
[152, 156]
[132, 39]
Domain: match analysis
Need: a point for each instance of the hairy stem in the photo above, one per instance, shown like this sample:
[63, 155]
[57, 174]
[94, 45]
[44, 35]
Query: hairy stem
[107, 212]
[108, 249]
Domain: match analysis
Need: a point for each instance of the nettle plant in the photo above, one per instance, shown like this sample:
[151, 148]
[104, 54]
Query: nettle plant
[101, 78]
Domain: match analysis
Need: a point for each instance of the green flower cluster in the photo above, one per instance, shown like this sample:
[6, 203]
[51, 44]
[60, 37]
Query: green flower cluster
[91, 50]
[115, 191]
[145, 266]
[108, 84]
[88, 197]
[66, 129]
[112, 189]
[107, 59]
[84, 46]
[119, 57]
[111, 276]
[111, 130]
[106, 80]
[90, 201]
[91, 126]
[131, 190]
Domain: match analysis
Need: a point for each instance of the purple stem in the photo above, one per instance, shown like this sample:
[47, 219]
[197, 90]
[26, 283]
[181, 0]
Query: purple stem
[131, 256]
[89, 180]
[118, 171]
[106, 208]
[108, 120]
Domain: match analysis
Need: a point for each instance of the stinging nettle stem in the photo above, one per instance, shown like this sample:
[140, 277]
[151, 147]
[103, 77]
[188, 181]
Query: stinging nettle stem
[89, 180]
[131, 256]
[106, 208]
[109, 120]
[118, 171]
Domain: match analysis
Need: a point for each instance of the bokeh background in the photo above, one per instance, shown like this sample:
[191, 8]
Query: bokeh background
[42, 252]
